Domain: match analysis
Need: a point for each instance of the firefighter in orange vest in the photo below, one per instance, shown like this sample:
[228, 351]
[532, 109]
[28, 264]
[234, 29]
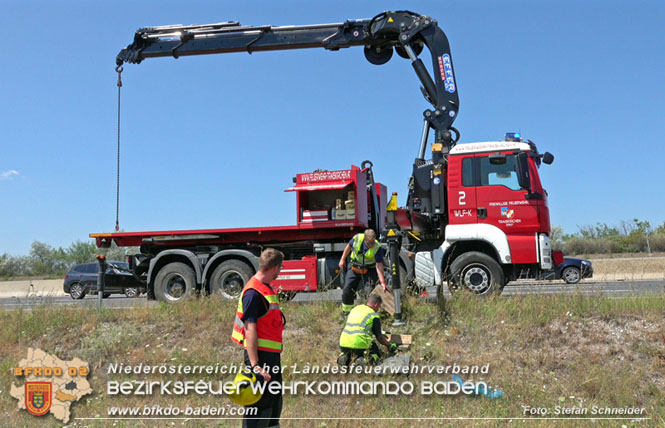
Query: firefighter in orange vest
[366, 255]
[258, 326]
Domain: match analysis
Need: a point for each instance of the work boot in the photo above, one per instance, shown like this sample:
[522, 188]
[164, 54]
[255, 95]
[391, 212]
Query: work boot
[343, 359]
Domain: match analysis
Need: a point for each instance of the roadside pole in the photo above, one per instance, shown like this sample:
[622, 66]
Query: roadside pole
[101, 261]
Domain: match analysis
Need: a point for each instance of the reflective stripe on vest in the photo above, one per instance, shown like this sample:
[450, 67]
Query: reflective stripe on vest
[366, 259]
[357, 332]
[269, 327]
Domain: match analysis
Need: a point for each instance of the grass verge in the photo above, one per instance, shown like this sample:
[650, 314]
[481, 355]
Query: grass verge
[543, 351]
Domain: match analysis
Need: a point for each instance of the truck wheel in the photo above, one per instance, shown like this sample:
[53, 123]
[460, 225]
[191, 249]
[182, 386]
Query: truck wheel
[174, 283]
[229, 278]
[476, 272]
[571, 275]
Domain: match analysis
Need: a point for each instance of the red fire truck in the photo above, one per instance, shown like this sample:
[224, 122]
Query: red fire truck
[175, 264]
[476, 214]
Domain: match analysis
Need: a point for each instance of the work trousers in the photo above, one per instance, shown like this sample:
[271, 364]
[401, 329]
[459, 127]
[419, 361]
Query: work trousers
[353, 354]
[351, 282]
[269, 407]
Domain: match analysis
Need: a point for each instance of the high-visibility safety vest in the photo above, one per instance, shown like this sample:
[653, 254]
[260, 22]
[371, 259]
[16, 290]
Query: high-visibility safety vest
[360, 258]
[357, 332]
[269, 327]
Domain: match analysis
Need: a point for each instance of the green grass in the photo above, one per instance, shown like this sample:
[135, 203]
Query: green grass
[543, 351]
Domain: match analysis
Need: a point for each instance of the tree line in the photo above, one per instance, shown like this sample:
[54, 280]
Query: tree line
[46, 261]
[636, 236]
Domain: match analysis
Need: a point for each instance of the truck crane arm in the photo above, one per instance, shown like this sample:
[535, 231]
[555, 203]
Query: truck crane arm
[405, 32]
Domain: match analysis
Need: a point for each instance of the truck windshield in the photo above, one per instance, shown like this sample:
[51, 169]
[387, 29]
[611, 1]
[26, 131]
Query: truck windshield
[499, 175]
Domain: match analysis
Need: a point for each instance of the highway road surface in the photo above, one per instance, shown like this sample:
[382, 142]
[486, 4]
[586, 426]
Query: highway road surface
[611, 289]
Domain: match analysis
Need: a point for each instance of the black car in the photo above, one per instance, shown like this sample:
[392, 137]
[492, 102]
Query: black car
[82, 279]
[572, 270]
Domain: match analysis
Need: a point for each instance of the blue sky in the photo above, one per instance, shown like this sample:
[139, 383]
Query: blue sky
[212, 141]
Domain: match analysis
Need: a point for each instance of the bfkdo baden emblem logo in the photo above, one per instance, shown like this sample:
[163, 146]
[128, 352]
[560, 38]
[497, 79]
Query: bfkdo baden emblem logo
[50, 385]
[38, 397]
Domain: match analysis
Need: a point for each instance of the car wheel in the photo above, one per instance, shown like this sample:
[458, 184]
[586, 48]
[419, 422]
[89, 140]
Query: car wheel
[571, 275]
[132, 292]
[229, 278]
[175, 282]
[77, 291]
[477, 273]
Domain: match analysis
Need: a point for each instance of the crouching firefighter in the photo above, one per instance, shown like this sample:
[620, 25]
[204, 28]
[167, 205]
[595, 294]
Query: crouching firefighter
[356, 341]
[366, 263]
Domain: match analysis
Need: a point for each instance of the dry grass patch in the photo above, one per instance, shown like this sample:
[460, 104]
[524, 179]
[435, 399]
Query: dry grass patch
[629, 268]
[542, 350]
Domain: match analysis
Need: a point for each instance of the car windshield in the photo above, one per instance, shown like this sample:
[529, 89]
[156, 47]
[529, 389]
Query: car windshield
[121, 265]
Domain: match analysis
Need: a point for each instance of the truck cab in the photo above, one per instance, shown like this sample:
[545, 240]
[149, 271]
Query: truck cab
[497, 210]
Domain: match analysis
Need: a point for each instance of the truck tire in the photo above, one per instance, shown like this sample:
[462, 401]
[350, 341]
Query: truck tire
[229, 278]
[175, 282]
[477, 273]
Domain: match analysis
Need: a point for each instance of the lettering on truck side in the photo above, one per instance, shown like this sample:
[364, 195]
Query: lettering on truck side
[325, 176]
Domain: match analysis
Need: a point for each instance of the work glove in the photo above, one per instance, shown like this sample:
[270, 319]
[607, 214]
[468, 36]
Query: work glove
[393, 348]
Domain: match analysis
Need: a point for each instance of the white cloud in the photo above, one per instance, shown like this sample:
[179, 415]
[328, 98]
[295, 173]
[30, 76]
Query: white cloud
[8, 175]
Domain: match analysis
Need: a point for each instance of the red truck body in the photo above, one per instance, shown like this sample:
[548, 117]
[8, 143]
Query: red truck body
[489, 211]
[317, 225]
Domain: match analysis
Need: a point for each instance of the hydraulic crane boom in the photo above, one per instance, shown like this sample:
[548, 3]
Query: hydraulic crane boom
[406, 32]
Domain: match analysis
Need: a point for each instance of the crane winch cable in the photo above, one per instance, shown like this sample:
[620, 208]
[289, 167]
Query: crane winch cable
[118, 69]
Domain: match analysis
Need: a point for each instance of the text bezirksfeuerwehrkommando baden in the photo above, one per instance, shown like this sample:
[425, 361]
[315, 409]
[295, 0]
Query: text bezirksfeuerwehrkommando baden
[315, 387]
[337, 387]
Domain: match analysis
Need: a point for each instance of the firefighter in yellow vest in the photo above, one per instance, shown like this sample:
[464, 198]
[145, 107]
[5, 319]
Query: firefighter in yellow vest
[356, 339]
[258, 327]
[366, 264]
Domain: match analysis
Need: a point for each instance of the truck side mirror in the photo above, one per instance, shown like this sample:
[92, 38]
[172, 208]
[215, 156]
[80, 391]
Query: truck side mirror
[523, 172]
[548, 158]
